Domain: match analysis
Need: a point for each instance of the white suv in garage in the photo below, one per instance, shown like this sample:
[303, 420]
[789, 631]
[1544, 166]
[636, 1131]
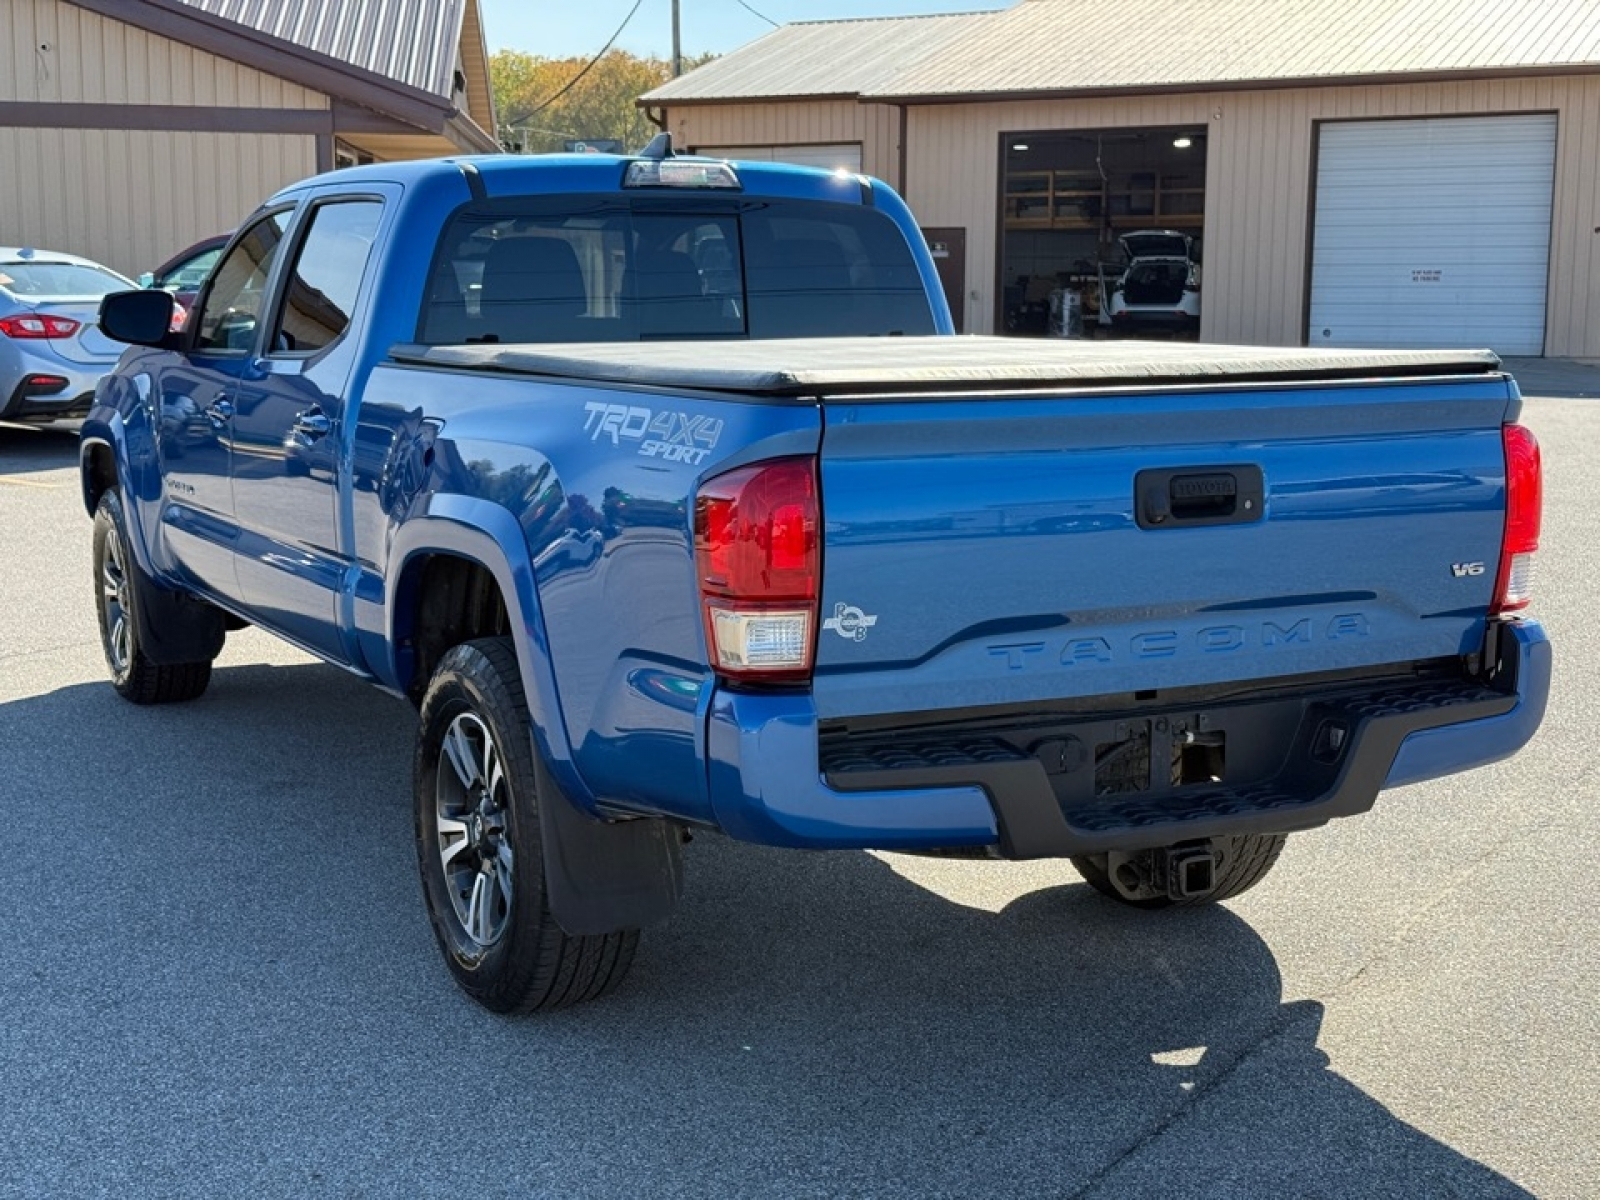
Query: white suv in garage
[1160, 288]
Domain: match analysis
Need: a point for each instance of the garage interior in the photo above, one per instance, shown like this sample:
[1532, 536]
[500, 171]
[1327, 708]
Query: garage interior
[1066, 197]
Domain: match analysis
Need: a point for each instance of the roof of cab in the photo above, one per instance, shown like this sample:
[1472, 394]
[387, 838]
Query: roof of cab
[518, 174]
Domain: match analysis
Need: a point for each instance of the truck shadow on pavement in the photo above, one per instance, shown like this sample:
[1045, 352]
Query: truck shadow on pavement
[239, 920]
[1065, 1045]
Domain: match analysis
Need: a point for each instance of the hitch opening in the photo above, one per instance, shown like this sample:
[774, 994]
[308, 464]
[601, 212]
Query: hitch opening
[1191, 871]
[1185, 871]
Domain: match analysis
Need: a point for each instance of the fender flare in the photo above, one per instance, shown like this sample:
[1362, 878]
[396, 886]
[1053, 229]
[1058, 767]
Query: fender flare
[174, 626]
[486, 533]
[138, 482]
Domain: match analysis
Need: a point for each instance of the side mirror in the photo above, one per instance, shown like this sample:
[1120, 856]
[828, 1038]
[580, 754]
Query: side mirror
[142, 318]
[146, 278]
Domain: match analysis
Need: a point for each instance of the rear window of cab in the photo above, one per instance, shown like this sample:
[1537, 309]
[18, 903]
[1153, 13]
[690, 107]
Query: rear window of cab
[593, 269]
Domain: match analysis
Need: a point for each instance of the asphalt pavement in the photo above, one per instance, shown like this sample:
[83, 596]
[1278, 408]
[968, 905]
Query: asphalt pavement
[217, 978]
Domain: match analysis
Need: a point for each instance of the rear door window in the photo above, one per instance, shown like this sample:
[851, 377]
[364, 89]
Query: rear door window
[322, 289]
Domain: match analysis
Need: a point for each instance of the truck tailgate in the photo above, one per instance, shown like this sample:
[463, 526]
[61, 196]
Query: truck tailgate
[1011, 548]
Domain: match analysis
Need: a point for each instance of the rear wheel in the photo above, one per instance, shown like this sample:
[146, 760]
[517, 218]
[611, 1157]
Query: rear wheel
[118, 579]
[480, 850]
[1239, 864]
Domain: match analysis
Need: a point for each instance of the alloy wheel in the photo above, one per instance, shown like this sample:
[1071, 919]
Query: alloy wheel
[470, 805]
[114, 598]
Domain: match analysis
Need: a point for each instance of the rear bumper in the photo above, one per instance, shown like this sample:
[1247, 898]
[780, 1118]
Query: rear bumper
[1525, 657]
[1155, 318]
[766, 787]
[25, 405]
[772, 780]
[26, 398]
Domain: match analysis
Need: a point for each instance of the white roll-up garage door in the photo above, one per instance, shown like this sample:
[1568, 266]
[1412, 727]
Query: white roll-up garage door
[1433, 233]
[846, 155]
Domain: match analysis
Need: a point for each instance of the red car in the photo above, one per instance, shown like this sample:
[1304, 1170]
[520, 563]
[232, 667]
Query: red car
[183, 273]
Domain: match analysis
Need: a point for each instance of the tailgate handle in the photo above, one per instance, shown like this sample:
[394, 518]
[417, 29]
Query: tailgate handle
[1183, 497]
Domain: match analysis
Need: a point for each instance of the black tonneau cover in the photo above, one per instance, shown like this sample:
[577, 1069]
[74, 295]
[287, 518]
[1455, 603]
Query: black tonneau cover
[858, 366]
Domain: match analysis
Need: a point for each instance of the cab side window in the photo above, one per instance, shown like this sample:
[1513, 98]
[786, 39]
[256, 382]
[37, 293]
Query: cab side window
[232, 310]
[326, 280]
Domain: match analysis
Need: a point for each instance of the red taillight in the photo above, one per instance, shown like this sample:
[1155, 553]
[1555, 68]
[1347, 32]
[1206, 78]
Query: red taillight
[180, 314]
[1524, 505]
[38, 325]
[759, 561]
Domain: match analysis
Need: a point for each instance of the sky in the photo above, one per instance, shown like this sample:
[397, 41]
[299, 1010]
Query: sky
[578, 28]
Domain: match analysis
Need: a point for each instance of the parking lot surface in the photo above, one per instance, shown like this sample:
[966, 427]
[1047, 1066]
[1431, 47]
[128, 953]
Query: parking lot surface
[217, 977]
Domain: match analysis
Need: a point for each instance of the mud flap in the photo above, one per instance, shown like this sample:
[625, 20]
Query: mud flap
[175, 628]
[605, 876]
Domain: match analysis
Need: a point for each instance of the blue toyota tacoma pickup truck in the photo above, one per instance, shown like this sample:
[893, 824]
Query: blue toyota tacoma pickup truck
[662, 489]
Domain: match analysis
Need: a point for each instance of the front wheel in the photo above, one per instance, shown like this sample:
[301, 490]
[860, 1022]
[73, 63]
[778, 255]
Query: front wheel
[117, 580]
[480, 850]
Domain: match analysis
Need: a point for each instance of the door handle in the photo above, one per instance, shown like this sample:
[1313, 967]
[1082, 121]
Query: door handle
[220, 412]
[1199, 496]
[312, 424]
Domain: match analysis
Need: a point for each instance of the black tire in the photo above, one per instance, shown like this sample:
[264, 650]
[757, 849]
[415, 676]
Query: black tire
[1242, 862]
[117, 576]
[480, 850]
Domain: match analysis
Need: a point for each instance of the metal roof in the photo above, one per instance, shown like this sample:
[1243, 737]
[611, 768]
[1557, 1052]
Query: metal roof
[819, 58]
[1076, 46]
[394, 58]
[412, 42]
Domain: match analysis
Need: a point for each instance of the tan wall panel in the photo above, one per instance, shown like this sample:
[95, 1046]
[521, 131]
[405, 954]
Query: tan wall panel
[875, 126]
[1258, 185]
[1572, 323]
[132, 199]
[50, 50]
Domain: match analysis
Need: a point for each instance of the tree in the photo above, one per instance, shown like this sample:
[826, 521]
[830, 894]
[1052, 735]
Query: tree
[537, 116]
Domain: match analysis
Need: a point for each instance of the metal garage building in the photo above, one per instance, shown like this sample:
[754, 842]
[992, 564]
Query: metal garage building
[132, 128]
[1379, 172]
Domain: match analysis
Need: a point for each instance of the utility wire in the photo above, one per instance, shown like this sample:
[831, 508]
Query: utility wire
[762, 15]
[571, 83]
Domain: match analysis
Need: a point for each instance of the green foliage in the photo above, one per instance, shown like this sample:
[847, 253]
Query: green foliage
[598, 106]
